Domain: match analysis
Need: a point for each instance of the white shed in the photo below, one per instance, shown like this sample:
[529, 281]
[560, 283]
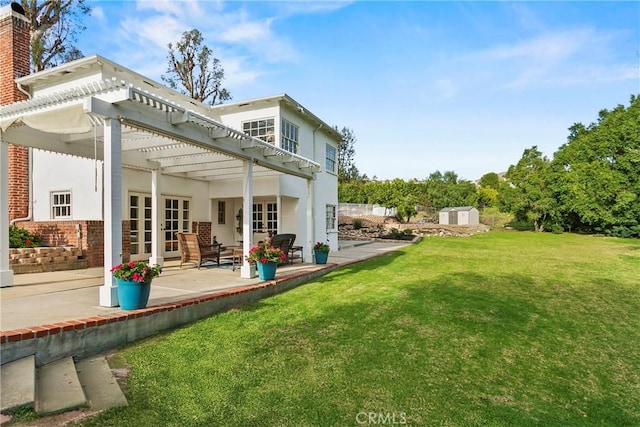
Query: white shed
[460, 215]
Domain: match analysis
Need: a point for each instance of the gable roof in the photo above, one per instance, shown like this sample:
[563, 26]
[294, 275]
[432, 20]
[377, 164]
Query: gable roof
[457, 209]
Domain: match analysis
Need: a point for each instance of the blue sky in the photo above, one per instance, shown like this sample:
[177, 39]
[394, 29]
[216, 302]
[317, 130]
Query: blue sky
[425, 86]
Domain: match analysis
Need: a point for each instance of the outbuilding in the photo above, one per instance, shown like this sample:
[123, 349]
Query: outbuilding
[460, 215]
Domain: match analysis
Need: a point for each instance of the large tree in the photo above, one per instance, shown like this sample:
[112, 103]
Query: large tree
[54, 26]
[194, 71]
[598, 171]
[347, 170]
[530, 195]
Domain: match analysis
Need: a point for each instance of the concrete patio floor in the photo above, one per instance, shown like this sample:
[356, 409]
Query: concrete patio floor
[46, 298]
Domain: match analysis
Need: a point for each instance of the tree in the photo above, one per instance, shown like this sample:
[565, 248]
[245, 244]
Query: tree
[194, 71]
[530, 194]
[347, 170]
[54, 26]
[598, 171]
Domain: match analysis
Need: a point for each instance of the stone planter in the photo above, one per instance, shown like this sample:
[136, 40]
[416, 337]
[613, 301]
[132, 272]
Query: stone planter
[44, 259]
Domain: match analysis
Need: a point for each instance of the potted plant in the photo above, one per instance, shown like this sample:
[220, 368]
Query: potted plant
[134, 283]
[266, 258]
[321, 252]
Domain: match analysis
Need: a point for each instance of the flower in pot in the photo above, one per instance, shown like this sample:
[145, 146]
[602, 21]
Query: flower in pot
[266, 257]
[321, 252]
[134, 283]
[136, 271]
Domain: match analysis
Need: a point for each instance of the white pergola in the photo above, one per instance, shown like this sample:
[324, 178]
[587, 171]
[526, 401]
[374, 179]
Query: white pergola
[122, 125]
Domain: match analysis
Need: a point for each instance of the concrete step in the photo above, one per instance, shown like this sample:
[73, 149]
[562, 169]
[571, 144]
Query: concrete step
[18, 383]
[58, 387]
[99, 385]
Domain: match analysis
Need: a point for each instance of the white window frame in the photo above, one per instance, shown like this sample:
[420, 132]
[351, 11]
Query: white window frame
[60, 210]
[331, 154]
[289, 136]
[263, 129]
[330, 217]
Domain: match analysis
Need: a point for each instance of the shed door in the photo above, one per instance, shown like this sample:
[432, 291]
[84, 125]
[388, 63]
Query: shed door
[453, 217]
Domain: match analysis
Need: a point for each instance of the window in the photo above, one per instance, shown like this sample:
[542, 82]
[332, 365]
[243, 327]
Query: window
[331, 158]
[289, 139]
[262, 129]
[222, 208]
[61, 205]
[331, 217]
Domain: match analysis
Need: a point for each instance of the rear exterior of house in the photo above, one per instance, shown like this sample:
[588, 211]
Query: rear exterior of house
[67, 193]
[98, 156]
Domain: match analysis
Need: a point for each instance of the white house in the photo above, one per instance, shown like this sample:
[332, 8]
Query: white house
[110, 145]
[460, 215]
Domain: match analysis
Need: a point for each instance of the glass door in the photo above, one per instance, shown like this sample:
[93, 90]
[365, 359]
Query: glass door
[176, 219]
[140, 222]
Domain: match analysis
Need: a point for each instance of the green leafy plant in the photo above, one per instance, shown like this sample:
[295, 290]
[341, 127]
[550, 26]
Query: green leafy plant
[21, 238]
[136, 271]
[263, 252]
[357, 224]
[321, 247]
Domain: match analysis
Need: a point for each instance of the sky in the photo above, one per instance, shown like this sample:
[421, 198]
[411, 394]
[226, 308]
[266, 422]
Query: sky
[424, 86]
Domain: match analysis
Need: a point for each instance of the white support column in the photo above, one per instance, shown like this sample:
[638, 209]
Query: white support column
[279, 211]
[112, 209]
[156, 233]
[247, 271]
[6, 274]
[311, 227]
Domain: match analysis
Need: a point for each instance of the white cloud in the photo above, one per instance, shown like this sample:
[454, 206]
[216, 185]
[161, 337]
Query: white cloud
[98, 13]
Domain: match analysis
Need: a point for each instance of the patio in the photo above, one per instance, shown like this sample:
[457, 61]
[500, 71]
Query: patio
[49, 314]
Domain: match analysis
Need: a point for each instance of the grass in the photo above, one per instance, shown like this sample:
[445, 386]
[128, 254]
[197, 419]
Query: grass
[499, 329]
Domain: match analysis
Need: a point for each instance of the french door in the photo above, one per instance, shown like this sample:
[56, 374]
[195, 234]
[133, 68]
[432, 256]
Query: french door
[176, 219]
[140, 221]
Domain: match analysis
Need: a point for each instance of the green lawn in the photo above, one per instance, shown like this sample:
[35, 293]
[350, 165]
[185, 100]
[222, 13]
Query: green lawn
[500, 329]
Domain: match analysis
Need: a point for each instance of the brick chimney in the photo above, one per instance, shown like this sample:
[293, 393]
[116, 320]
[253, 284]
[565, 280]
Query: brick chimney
[15, 62]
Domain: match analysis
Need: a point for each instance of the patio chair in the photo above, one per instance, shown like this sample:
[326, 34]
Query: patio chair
[284, 242]
[194, 250]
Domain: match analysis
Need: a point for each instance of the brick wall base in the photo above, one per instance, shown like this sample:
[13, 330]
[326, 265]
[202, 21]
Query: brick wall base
[88, 236]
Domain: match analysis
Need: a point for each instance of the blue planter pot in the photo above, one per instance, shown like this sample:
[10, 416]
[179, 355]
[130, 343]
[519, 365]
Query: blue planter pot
[133, 295]
[267, 271]
[321, 257]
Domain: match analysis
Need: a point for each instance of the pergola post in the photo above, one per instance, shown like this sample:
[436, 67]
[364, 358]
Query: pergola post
[156, 237]
[311, 234]
[112, 209]
[247, 271]
[6, 274]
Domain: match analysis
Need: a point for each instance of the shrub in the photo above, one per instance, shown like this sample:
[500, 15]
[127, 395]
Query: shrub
[408, 231]
[557, 229]
[21, 238]
[357, 224]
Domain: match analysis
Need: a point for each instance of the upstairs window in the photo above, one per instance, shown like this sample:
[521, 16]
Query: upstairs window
[263, 129]
[331, 158]
[289, 139]
[61, 205]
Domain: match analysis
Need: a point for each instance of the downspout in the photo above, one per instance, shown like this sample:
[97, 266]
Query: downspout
[30, 202]
[21, 89]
